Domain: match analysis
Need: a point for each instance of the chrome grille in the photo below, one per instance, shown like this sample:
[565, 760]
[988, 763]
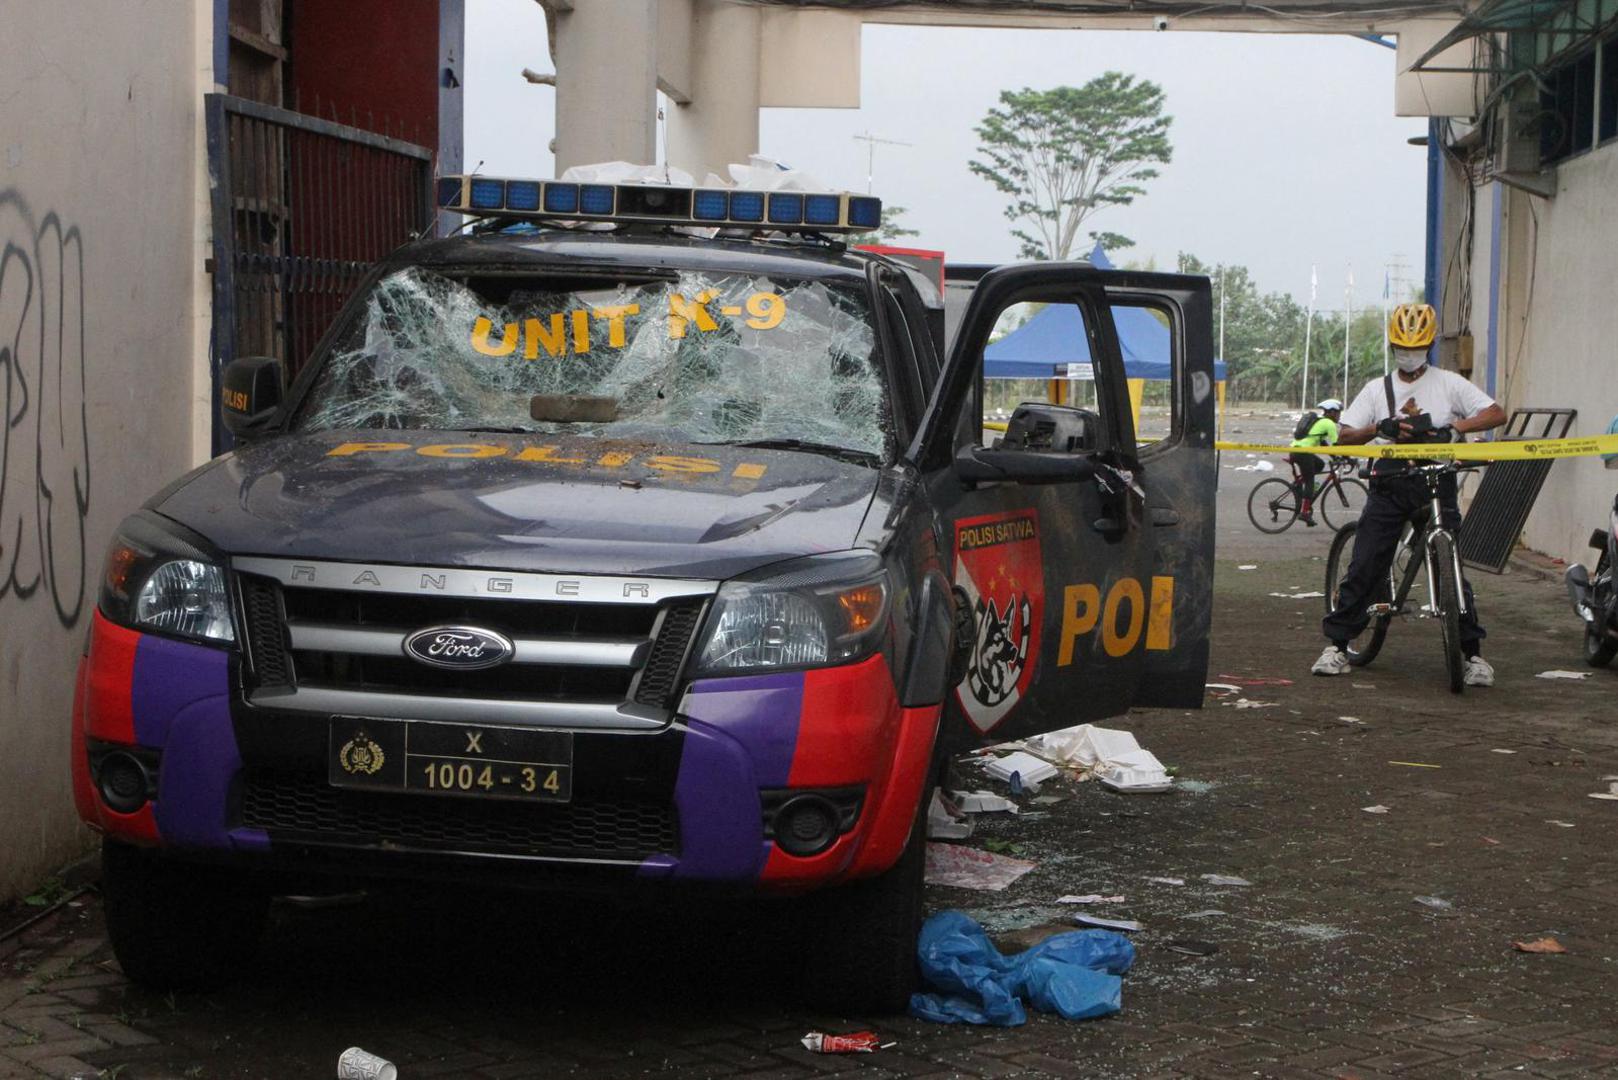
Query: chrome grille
[329, 637]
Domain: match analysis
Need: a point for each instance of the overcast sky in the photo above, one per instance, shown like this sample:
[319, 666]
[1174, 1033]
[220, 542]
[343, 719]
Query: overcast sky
[1286, 149]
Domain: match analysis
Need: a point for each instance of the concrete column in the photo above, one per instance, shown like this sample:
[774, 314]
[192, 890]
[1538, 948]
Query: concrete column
[719, 124]
[606, 82]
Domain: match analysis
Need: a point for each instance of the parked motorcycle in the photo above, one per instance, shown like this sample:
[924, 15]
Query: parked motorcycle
[1595, 595]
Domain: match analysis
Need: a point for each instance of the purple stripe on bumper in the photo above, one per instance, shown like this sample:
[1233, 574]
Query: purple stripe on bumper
[181, 702]
[740, 735]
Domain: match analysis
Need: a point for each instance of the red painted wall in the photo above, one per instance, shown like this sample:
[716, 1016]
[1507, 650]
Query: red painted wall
[373, 61]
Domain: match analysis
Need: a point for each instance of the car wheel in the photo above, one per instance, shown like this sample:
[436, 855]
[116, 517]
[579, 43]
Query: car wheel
[861, 958]
[178, 926]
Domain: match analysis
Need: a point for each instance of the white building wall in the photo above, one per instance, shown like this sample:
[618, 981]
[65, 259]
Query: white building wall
[102, 312]
[1559, 330]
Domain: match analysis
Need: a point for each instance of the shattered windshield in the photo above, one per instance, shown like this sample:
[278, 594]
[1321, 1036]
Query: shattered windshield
[695, 357]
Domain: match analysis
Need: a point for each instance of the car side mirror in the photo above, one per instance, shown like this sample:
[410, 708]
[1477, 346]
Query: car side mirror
[1037, 425]
[979, 465]
[250, 394]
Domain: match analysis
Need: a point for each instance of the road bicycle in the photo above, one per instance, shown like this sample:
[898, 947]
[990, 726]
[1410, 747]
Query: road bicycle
[1273, 504]
[1424, 544]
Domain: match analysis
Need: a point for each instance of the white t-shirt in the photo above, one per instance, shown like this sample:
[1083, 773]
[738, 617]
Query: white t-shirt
[1443, 395]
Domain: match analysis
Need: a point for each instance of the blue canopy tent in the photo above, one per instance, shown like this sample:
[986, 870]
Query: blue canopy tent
[1044, 346]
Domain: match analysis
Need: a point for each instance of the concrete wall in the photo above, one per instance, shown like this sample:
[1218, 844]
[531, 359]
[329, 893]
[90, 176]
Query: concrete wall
[1558, 327]
[103, 349]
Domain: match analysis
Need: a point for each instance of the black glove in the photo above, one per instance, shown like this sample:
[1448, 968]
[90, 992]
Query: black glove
[1388, 428]
[1450, 434]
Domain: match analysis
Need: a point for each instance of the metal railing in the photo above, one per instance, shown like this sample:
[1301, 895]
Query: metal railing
[302, 209]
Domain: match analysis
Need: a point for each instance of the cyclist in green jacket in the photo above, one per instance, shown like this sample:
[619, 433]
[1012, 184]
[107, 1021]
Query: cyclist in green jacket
[1322, 432]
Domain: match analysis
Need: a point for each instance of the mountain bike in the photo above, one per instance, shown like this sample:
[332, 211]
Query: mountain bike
[1424, 545]
[1273, 504]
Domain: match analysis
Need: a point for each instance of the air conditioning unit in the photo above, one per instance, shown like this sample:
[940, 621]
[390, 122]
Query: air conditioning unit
[1520, 120]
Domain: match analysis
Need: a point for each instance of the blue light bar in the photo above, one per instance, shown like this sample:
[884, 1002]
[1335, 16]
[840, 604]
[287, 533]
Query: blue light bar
[747, 206]
[488, 194]
[822, 209]
[522, 195]
[561, 198]
[786, 208]
[596, 199]
[710, 205]
[864, 212]
[659, 204]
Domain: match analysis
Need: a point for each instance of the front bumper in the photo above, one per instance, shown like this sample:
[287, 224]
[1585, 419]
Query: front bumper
[688, 802]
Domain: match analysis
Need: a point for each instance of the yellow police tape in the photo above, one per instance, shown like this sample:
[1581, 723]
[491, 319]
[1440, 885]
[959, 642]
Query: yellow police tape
[1503, 450]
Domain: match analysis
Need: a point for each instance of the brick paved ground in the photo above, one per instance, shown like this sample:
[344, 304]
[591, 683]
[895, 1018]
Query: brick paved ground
[1327, 965]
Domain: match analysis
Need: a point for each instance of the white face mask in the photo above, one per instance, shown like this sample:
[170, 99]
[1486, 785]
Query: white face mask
[1410, 361]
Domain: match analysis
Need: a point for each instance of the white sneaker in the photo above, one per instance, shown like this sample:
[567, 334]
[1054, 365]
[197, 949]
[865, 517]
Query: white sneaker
[1478, 672]
[1333, 661]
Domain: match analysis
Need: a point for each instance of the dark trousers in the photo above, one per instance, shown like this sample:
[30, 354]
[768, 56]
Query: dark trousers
[1309, 466]
[1393, 502]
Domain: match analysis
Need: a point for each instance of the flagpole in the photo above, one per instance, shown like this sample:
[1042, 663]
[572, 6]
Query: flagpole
[1221, 355]
[1308, 328]
[1386, 288]
[1348, 320]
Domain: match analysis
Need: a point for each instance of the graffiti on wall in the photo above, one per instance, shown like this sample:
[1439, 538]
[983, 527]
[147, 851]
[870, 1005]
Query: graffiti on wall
[44, 433]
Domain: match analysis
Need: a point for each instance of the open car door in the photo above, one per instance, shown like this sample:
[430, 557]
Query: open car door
[1076, 564]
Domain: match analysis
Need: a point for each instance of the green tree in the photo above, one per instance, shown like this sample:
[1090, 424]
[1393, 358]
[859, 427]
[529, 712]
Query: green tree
[1061, 155]
[889, 231]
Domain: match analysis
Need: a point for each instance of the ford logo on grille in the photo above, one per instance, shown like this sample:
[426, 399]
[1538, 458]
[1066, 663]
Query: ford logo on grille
[459, 648]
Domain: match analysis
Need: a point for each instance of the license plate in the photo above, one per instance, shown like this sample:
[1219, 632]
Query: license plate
[430, 758]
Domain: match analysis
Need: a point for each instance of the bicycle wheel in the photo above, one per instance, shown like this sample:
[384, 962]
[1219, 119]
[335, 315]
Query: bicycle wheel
[1272, 505]
[1363, 649]
[1342, 502]
[1449, 611]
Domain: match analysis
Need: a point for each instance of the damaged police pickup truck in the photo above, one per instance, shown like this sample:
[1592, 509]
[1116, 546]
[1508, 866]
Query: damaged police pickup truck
[625, 554]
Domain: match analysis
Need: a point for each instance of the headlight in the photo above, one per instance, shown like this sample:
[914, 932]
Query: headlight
[827, 609]
[156, 579]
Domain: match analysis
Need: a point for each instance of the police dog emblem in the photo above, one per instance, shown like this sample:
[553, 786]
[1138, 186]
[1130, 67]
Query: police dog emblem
[998, 566]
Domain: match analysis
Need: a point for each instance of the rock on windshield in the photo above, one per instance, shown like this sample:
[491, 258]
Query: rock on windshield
[707, 357]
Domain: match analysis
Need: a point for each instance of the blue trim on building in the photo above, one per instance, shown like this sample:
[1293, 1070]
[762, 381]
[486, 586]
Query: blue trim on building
[1496, 219]
[221, 43]
[1435, 223]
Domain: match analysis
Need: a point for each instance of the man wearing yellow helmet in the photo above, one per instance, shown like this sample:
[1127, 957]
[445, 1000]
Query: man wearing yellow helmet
[1419, 404]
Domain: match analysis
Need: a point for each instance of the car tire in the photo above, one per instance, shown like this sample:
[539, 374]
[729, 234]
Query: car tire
[178, 926]
[861, 957]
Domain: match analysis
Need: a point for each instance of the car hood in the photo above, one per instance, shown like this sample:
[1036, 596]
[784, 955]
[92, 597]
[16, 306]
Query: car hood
[523, 503]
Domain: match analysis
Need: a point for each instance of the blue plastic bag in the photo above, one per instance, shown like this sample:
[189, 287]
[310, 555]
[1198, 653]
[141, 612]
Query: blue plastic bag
[1075, 975]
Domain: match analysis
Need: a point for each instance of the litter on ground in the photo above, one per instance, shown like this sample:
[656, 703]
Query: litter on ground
[969, 868]
[1126, 925]
[1559, 824]
[1299, 595]
[1248, 566]
[1437, 903]
[860, 1042]
[1351, 720]
[1245, 703]
[1498, 750]
[945, 822]
[1377, 809]
[1167, 880]
[1539, 945]
[1208, 914]
[1564, 674]
[1415, 764]
[982, 802]
[1115, 757]
[1075, 975]
[1224, 879]
[1092, 898]
[1192, 948]
[1030, 769]
[1258, 466]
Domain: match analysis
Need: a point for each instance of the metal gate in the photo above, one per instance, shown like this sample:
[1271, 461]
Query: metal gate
[1506, 495]
[302, 209]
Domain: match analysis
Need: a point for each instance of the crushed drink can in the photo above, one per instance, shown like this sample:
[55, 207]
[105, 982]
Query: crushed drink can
[860, 1042]
[357, 1064]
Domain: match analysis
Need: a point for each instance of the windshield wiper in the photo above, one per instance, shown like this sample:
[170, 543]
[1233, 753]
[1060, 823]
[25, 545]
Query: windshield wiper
[846, 453]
